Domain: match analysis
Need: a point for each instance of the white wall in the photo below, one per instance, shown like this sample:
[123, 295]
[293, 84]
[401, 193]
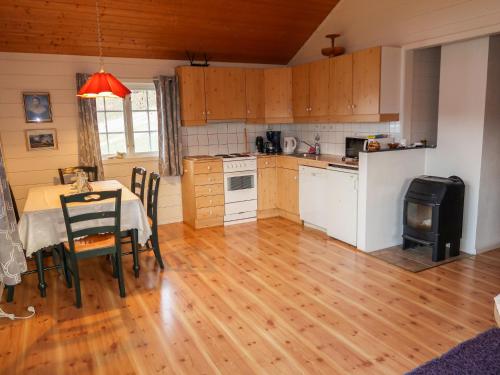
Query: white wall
[56, 74]
[368, 23]
[460, 125]
[384, 178]
[488, 224]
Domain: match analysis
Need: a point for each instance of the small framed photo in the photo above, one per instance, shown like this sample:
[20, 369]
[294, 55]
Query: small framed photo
[37, 107]
[41, 139]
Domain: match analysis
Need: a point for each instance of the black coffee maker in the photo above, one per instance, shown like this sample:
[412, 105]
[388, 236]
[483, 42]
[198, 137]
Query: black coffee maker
[273, 146]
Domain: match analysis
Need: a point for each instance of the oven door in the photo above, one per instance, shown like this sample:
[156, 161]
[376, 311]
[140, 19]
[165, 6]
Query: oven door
[240, 186]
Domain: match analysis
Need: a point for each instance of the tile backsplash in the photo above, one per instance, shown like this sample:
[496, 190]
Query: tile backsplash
[224, 138]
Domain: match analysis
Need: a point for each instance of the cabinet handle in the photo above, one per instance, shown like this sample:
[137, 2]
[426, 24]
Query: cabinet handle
[210, 212]
[209, 167]
[210, 179]
[209, 190]
[211, 201]
[208, 112]
[267, 163]
[248, 111]
[203, 113]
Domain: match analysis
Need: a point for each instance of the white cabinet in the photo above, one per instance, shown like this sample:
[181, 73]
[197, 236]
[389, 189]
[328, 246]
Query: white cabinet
[312, 196]
[342, 218]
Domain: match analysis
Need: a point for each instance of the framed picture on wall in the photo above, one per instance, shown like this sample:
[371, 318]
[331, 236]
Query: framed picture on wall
[41, 139]
[37, 107]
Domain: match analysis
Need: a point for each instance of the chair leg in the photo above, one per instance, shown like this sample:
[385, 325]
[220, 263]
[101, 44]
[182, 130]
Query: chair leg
[156, 247]
[41, 275]
[113, 266]
[119, 270]
[135, 251]
[10, 293]
[76, 279]
[67, 274]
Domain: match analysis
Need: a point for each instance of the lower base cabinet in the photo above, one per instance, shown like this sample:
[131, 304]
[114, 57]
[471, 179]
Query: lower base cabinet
[288, 192]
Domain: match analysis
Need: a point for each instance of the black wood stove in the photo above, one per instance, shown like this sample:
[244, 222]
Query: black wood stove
[433, 214]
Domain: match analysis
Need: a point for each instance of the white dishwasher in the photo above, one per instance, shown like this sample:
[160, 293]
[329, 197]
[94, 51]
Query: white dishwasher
[342, 204]
[312, 196]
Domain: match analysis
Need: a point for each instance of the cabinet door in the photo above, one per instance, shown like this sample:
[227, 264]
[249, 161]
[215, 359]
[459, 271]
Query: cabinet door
[300, 91]
[366, 81]
[278, 94]
[341, 85]
[214, 88]
[266, 182]
[254, 86]
[319, 72]
[288, 190]
[192, 95]
[234, 94]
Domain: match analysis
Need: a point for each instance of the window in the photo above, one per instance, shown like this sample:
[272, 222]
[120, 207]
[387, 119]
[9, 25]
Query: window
[129, 125]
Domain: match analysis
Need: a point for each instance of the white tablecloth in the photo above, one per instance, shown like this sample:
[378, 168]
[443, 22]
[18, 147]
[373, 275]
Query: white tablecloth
[42, 222]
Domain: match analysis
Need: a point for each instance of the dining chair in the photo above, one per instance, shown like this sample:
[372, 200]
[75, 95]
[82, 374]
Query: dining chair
[96, 241]
[138, 182]
[67, 175]
[152, 212]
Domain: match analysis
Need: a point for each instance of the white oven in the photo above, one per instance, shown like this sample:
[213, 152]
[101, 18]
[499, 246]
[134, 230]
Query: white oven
[240, 186]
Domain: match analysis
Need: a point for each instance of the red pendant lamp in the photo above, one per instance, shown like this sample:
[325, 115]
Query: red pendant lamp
[102, 84]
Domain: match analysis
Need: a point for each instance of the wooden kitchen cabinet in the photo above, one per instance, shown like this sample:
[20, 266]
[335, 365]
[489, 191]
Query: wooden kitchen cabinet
[266, 192]
[310, 83]
[366, 70]
[225, 93]
[340, 102]
[288, 193]
[278, 95]
[192, 95]
[255, 101]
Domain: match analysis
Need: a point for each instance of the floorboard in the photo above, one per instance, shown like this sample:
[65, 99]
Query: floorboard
[268, 297]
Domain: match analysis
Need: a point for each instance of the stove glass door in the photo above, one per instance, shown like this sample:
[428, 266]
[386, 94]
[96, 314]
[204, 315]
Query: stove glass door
[419, 216]
[240, 186]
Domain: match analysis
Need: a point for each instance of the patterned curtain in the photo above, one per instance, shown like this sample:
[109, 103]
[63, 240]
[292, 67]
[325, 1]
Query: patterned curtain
[89, 147]
[12, 260]
[169, 139]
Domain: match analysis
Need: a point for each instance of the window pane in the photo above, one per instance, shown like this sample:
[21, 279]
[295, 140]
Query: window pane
[117, 143]
[101, 122]
[104, 144]
[141, 141]
[154, 141]
[153, 120]
[114, 104]
[139, 100]
[152, 99]
[140, 121]
[100, 104]
[115, 122]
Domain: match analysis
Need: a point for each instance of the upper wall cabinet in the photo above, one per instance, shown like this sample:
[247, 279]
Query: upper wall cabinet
[278, 95]
[225, 93]
[364, 86]
[310, 91]
[192, 95]
[254, 86]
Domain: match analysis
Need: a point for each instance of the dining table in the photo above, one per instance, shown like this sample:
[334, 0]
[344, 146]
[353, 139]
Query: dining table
[42, 225]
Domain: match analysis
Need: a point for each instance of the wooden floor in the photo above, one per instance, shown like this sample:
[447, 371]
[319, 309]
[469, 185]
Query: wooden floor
[258, 298]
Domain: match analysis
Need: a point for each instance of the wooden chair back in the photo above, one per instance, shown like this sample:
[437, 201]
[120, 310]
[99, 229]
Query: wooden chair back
[138, 182]
[65, 173]
[89, 198]
[152, 198]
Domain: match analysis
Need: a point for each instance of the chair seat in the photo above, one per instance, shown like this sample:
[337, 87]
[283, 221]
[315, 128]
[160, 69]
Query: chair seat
[93, 242]
[150, 221]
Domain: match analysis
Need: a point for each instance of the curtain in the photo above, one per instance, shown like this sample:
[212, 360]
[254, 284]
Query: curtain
[89, 147]
[169, 138]
[12, 260]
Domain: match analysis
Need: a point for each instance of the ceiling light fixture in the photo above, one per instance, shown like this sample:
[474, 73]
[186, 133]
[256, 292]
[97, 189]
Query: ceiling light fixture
[102, 84]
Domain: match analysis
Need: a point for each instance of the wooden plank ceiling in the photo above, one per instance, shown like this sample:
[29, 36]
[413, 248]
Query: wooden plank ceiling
[260, 31]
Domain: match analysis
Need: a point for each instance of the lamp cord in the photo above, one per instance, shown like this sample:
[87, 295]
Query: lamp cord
[99, 35]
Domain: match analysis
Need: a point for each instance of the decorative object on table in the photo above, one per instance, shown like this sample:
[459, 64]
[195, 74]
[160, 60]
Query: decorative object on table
[82, 183]
[41, 139]
[333, 51]
[68, 175]
[37, 107]
[289, 145]
[93, 241]
[169, 126]
[480, 355]
[102, 84]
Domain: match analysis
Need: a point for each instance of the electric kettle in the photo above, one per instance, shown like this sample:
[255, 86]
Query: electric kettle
[289, 145]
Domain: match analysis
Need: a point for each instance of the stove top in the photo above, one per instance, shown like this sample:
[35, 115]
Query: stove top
[232, 156]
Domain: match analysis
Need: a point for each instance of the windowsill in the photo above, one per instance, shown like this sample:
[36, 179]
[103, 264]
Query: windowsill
[130, 158]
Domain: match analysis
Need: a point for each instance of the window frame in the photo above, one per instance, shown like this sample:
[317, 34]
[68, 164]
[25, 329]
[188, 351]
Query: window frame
[129, 124]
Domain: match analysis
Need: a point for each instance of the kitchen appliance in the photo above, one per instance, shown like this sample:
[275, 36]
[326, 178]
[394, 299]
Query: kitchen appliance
[313, 188]
[342, 203]
[433, 214]
[353, 145]
[240, 188]
[289, 145]
[275, 138]
[269, 148]
[259, 144]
